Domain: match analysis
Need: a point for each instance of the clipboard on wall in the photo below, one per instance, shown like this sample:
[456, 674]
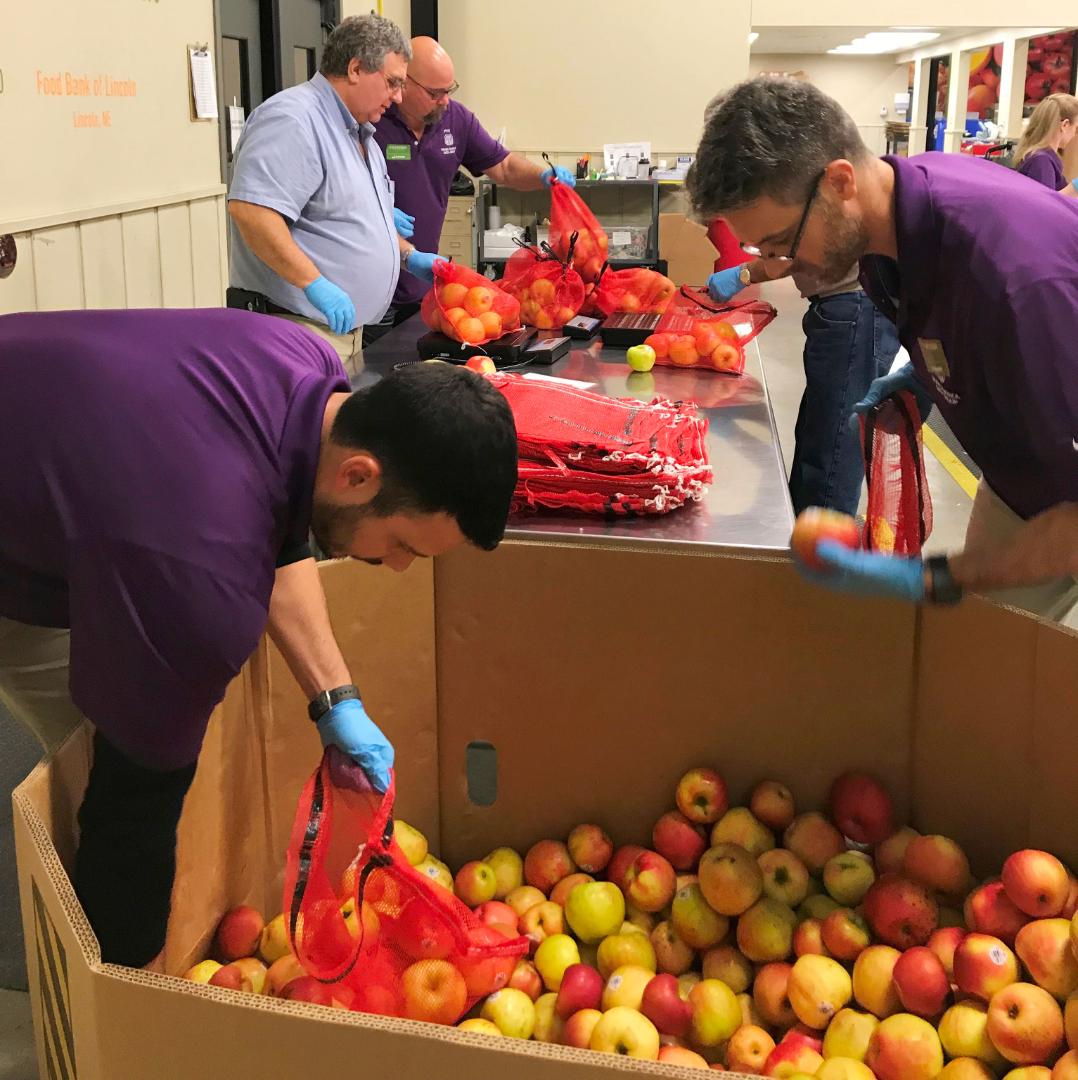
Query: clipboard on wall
[202, 83]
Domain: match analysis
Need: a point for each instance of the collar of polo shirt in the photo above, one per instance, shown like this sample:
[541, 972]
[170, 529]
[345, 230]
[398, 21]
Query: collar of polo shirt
[354, 127]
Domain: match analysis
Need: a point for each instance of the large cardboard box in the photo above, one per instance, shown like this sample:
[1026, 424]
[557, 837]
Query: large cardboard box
[592, 678]
[690, 256]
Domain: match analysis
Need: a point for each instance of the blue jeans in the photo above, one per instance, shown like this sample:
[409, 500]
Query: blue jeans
[848, 343]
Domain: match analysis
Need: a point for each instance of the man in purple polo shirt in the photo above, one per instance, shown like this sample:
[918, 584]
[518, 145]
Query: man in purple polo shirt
[164, 470]
[425, 139]
[979, 270]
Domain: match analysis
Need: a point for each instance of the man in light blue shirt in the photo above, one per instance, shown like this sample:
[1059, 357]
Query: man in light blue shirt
[311, 202]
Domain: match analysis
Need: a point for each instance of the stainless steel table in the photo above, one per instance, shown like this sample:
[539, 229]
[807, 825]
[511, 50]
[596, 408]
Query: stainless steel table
[747, 506]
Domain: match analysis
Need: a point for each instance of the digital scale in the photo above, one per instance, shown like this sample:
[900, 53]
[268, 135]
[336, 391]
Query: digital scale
[514, 349]
[625, 328]
[582, 327]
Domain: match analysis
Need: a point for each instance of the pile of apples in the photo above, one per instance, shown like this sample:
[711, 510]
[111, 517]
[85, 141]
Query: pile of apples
[758, 939]
[539, 305]
[713, 343]
[589, 252]
[466, 314]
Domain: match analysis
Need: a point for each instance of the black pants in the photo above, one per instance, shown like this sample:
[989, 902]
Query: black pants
[126, 860]
[394, 316]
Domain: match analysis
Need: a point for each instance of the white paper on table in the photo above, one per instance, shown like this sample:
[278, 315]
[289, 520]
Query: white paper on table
[554, 378]
[204, 84]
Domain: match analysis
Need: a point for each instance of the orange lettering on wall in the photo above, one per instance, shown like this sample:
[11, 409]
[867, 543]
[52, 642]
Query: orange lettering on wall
[48, 84]
[76, 85]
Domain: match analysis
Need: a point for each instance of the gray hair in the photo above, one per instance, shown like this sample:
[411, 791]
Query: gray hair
[366, 38]
[771, 137]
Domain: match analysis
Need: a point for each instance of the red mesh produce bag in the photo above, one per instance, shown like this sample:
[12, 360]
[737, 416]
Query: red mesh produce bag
[586, 452]
[570, 214]
[634, 289]
[898, 519]
[384, 937]
[468, 307]
[747, 317]
[550, 291]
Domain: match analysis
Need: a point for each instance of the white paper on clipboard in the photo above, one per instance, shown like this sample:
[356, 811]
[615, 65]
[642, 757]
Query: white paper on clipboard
[203, 84]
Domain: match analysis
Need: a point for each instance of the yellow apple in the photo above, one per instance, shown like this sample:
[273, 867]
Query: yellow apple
[730, 879]
[697, 923]
[436, 871]
[595, 910]
[818, 988]
[740, 826]
[511, 1011]
[274, 942]
[508, 867]
[626, 1032]
[963, 1032]
[849, 1034]
[786, 878]
[716, 1014]
[730, 965]
[523, 898]
[202, 972]
[553, 956]
[580, 1027]
[479, 1026]
[1043, 945]
[966, 1068]
[619, 950]
[840, 1068]
[873, 980]
[905, 1047]
[847, 877]
[765, 932]
[549, 1027]
[411, 842]
[626, 987]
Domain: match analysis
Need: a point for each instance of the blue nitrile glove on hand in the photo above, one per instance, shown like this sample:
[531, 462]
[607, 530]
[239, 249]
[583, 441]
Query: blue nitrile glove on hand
[559, 173]
[725, 284]
[348, 727]
[334, 303]
[903, 378]
[403, 223]
[867, 573]
[421, 263]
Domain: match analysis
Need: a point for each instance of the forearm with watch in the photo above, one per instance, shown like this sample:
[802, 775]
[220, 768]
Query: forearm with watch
[420, 263]
[299, 626]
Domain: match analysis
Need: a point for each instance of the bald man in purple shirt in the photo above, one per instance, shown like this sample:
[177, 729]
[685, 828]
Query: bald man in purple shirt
[425, 138]
[978, 268]
[163, 472]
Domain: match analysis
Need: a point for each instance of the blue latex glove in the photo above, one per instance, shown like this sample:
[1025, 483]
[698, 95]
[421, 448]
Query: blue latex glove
[421, 263]
[348, 727]
[903, 378]
[559, 173]
[725, 284]
[403, 223]
[334, 303]
[867, 573]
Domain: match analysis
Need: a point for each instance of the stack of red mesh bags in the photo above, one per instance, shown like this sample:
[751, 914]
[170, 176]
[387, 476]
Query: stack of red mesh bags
[598, 455]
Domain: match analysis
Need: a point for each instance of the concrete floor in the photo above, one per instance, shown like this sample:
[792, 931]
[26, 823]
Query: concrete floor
[781, 346]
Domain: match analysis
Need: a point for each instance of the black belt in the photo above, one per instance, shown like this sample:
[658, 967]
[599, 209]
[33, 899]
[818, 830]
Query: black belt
[247, 300]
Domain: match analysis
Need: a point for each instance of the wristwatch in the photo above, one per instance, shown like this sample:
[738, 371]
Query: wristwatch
[325, 701]
[943, 589]
[745, 275]
[405, 253]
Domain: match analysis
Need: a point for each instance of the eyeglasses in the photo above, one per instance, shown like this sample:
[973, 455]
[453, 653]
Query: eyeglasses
[434, 95]
[395, 85]
[750, 249]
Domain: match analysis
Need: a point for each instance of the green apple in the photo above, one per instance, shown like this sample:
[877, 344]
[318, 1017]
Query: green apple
[641, 357]
[595, 910]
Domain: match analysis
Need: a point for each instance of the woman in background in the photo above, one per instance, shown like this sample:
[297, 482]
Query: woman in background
[1048, 132]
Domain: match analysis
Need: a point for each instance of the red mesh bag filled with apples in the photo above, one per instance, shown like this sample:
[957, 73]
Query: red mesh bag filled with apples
[634, 289]
[549, 290]
[898, 519]
[747, 317]
[570, 214]
[712, 344]
[468, 307]
[382, 936]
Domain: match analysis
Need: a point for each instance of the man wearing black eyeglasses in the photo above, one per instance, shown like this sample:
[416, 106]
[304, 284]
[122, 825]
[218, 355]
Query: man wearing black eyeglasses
[426, 137]
[976, 267]
[848, 344]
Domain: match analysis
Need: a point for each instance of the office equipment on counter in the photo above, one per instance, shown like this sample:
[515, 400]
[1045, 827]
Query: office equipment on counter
[582, 327]
[507, 350]
[546, 350]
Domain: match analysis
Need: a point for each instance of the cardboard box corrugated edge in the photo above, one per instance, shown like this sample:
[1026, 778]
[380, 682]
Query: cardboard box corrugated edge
[689, 254]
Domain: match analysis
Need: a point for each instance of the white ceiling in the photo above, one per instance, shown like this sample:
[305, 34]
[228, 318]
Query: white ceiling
[818, 39]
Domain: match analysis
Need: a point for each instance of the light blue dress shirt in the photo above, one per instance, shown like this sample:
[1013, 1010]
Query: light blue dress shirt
[300, 155]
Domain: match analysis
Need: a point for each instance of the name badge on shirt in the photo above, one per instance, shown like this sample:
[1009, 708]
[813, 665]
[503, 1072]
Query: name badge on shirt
[398, 152]
[935, 358]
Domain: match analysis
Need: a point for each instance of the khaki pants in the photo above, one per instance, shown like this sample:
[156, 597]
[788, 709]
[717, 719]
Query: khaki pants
[993, 523]
[34, 670]
[349, 346]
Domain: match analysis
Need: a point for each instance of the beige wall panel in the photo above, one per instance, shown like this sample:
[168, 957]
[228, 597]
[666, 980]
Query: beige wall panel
[58, 268]
[206, 245]
[18, 292]
[96, 104]
[174, 237]
[620, 69]
[856, 13]
[102, 244]
[142, 259]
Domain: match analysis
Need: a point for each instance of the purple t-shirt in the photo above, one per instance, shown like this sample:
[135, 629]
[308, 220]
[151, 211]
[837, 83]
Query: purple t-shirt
[986, 288]
[156, 462]
[1046, 167]
[423, 169]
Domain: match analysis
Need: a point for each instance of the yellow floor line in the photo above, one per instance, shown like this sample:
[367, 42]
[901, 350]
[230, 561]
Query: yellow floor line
[942, 453]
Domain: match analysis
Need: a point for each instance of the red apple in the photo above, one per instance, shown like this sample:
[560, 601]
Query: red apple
[663, 1005]
[888, 855]
[309, 989]
[617, 870]
[527, 978]
[862, 808]
[772, 804]
[581, 988]
[678, 840]
[1036, 882]
[1025, 1024]
[816, 524]
[921, 982]
[943, 943]
[901, 912]
[483, 365]
[590, 848]
[238, 933]
[983, 965]
[989, 910]
[546, 863]
[701, 796]
[651, 882]
[499, 915]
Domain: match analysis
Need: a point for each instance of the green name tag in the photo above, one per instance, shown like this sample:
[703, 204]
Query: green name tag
[398, 152]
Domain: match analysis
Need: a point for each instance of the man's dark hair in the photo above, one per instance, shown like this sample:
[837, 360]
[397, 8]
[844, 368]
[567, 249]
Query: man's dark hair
[446, 441]
[768, 136]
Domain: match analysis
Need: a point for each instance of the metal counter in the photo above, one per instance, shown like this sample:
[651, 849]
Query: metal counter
[748, 504]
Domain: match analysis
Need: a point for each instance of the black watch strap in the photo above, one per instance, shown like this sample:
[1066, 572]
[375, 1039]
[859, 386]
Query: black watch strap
[944, 589]
[325, 701]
